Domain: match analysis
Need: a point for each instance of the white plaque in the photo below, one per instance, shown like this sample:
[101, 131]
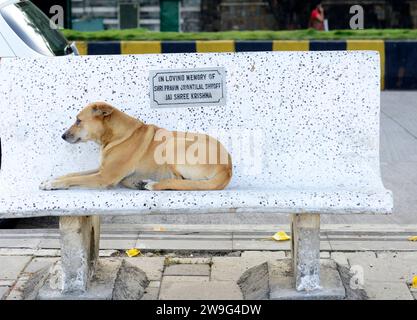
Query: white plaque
[188, 87]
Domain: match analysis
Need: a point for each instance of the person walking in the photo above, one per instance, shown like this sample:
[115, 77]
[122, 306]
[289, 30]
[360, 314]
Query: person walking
[317, 18]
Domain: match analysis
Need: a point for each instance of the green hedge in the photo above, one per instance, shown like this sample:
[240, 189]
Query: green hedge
[141, 34]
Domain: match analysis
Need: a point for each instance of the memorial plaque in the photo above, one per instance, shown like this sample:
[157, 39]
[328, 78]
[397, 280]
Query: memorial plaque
[188, 87]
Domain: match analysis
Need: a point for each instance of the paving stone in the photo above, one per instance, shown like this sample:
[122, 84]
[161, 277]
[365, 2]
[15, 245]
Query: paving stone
[324, 254]
[371, 245]
[17, 291]
[187, 270]
[251, 259]
[150, 294]
[3, 292]
[212, 290]
[411, 256]
[15, 242]
[388, 291]
[107, 253]
[263, 255]
[340, 258]
[174, 244]
[389, 266]
[197, 260]
[231, 268]
[227, 268]
[185, 278]
[190, 236]
[47, 253]
[397, 267]
[252, 243]
[234, 254]
[154, 284]
[325, 244]
[120, 244]
[360, 255]
[39, 263]
[152, 291]
[50, 243]
[16, 252]
[152, 266]
[260, 244]
[12, 266]
[6, 283]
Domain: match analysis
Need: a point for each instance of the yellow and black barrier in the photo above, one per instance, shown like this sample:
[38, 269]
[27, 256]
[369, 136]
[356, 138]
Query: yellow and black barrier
[398, 58]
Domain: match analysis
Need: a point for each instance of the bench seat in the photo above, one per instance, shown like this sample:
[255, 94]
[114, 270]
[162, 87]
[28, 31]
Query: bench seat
[303, 136]
[302, 129]
[127, 202]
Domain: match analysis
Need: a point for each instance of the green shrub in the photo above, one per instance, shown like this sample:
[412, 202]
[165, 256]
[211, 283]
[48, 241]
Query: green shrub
[308, 34]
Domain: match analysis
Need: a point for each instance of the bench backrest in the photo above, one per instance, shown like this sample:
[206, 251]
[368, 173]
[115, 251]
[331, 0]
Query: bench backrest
[297, 120]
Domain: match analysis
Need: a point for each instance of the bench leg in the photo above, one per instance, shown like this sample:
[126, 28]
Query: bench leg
[305, 245]
[79, 251]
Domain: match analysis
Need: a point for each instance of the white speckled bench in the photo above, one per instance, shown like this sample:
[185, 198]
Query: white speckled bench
[302, 128]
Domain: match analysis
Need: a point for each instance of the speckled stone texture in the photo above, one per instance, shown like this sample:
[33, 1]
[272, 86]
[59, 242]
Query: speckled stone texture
[312, 119]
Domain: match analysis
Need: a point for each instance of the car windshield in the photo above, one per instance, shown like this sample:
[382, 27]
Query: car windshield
[33, 27]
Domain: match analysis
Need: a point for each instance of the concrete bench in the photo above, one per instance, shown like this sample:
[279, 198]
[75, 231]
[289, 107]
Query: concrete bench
[302, 129]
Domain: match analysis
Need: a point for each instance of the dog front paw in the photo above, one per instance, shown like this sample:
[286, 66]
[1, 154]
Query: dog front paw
[48, 185]
[149, 184]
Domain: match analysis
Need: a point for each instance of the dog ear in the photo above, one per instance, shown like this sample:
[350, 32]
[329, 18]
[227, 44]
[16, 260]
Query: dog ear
[102, 109]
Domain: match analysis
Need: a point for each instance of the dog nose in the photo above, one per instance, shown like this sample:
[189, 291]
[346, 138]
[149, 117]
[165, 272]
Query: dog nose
[64, 136]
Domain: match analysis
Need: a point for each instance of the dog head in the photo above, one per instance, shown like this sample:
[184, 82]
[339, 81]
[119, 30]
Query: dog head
[89, 125]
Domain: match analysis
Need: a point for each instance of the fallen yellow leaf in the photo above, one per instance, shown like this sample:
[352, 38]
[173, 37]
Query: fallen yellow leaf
[281, 236]
[133, 252]
[159, 229]
[414, 283]
[413, 238]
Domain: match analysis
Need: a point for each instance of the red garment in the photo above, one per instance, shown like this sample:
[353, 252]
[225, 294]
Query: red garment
[315, 22]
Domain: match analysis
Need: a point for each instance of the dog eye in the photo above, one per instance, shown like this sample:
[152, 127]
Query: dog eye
[78, 122]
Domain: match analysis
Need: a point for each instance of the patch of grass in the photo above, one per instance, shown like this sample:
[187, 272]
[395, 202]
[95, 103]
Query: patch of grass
[308, 34]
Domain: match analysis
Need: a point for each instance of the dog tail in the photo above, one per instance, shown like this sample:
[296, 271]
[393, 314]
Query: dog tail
[218, 182]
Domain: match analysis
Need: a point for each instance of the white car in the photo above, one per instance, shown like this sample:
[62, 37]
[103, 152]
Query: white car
[25, 31]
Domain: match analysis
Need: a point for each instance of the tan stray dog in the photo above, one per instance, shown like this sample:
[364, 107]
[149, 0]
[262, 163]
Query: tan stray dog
[142, 156]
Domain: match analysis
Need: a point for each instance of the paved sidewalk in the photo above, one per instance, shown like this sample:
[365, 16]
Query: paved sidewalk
[383, 275]
[219, 238]
[204, 262]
